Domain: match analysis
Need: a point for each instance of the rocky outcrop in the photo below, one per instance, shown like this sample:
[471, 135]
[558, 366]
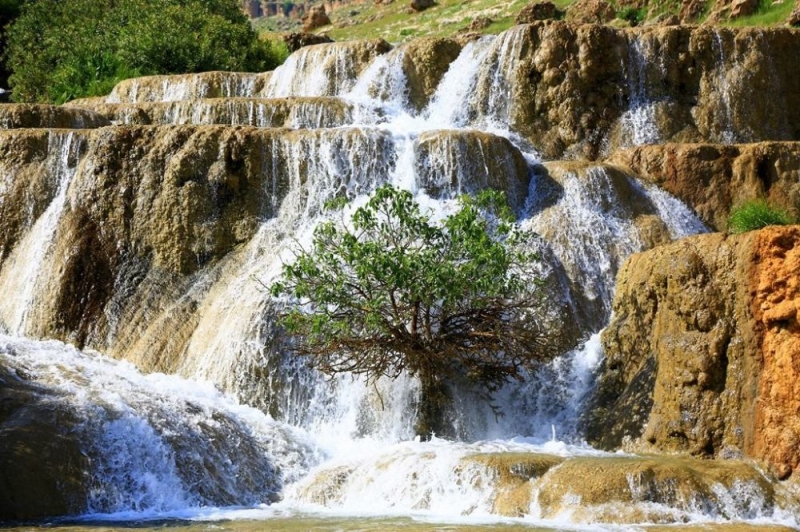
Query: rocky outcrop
[457, 162]
[309, 112]
[14, 116]
[579, 90]
[700, 351]
[537, 11]
[314, 18]
[590, 12]
[42, 466]
[295, 41]
[713, 178]
[421, 5]
[794, 18]
[425, 61]
[188, 87]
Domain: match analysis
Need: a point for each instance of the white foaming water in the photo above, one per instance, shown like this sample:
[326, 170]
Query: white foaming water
[320, 70]
[639, 121]
[159, 443]
[29, 265]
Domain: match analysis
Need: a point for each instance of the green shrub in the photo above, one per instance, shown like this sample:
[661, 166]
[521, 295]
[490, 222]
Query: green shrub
[84, 47]
[631, 14]
[756, 214]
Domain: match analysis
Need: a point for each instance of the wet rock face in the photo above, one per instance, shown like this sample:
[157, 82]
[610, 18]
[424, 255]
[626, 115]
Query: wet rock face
[705, 330]
[581, 90]
[712, 179]
[425, 62]
[295, 41]
[42, 468]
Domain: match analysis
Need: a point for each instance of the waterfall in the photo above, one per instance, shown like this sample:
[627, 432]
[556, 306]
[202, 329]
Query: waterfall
[242, 423]
[29, 266]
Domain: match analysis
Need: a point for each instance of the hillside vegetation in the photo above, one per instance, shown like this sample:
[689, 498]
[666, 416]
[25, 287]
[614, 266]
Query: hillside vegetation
[396, 22]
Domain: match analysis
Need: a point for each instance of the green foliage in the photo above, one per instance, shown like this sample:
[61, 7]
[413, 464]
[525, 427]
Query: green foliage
[84, 47]
[633, 15]
[396, 291]
[756, 214]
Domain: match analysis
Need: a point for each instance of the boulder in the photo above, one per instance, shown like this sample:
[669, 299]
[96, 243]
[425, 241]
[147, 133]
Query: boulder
[590, 12]
[421, 5]
[544, 10]
[295, 41]
[315, 18]
[794, 18]
[743, 8]
[43, 471]
[701, 352]
[478, 24]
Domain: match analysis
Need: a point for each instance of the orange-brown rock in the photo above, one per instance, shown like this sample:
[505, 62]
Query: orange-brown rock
[775, 290]
[590, 11]
[712, 179]
[702, 351]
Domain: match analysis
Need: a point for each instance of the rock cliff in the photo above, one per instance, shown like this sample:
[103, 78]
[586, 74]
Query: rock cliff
[713, 178]
[702, 350]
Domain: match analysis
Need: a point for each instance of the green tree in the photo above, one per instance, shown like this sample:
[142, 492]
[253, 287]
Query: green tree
[9, 11]
[63, 49]
[394, 291]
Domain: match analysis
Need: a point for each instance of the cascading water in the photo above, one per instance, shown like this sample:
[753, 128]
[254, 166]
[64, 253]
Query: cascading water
[343, 444]
[29, 263]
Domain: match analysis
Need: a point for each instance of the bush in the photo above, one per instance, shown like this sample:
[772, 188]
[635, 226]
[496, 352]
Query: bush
[84, 47]
[633, 15]
[756, 214]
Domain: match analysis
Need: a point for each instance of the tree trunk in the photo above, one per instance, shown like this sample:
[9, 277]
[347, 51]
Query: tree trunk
[434, 400]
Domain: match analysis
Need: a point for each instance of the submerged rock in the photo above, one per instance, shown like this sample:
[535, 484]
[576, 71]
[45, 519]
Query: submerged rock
[42, 466]
[698, 353]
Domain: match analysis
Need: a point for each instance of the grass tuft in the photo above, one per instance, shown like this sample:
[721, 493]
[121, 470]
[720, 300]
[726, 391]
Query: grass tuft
[756, 214]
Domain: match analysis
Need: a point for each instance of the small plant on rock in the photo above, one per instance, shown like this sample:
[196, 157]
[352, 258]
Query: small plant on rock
[756, 214]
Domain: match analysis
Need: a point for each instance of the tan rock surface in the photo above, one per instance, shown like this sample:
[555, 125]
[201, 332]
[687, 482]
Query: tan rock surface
[712, 178]
[25, 115]
[575, 83]
[702, 350]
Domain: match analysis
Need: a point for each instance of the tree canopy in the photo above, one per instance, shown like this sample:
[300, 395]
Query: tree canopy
[395, 291]
[63, 49]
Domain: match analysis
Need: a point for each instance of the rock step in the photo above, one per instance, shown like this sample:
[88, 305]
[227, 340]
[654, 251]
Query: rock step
[627, 489]
[19, 116]
[170, 88]
[298, 113]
